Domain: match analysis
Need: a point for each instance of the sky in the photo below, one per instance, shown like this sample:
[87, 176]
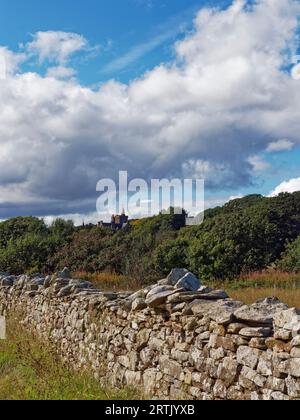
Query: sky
[160, 88]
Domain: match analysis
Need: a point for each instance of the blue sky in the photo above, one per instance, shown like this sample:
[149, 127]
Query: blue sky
[118, 27]
[161, 88]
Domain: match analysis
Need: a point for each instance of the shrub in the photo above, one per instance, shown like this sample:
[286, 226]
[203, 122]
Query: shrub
[169, 255]
[290, 260]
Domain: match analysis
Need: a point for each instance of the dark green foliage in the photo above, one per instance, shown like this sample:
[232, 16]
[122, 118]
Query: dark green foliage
[82, 253]
[170, 254]
[290, 261]
[129, 252]
[245, 235]
[27, 243]
[27, 254]
[248, 235]
[15, 228]
[61, 229]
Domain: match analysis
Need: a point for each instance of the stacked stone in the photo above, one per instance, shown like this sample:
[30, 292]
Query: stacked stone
[174, 339]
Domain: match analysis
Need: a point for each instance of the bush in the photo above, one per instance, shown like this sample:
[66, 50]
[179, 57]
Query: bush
[82, 252]
[29, 243]
[290, 261]
[28, 253]
[247, 235]
[14, 229]
[169, 255]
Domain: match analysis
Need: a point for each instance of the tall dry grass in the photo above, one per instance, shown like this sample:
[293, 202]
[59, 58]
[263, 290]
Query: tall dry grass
[272, 278]
[109, 281]
[250, 287]
[266, 279]
[251, 295]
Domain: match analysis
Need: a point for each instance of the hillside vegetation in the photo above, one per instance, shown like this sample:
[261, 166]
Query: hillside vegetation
[246, 235]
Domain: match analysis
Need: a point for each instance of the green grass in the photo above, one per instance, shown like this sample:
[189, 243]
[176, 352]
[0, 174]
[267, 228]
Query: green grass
[30, 370]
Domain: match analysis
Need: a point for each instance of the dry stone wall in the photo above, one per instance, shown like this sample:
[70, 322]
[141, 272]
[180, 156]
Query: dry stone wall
[175, 339]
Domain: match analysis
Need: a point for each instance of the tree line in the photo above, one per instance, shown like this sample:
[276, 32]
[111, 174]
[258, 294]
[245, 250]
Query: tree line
[245, 235]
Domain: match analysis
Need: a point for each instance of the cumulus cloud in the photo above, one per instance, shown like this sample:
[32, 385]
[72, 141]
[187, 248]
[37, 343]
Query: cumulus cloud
[9, 62]
[290, 186]
[56, 46]
[280, 146]
[223, 100]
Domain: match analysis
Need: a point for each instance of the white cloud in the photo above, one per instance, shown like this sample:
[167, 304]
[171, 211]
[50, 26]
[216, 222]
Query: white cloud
[280, 146]
[258, 163]
[9, 62]
[235, 197]
[214, 174]
[56, 46]
[290, 186]
[78, 219]
[207, 112]
[296, 72]
[61, 72]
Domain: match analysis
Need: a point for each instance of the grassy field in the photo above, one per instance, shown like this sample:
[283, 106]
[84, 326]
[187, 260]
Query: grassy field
[249, 288]
[248, 296]
[30, 370]
[109, 281]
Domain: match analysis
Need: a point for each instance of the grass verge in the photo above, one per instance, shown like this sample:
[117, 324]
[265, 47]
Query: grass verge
[30, 370]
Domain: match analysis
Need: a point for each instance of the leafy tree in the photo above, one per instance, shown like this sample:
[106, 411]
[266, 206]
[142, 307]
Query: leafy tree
[81, 253]
[62, 229]
[170, 254]
[27, 253]
[13, 229]
[290, 260]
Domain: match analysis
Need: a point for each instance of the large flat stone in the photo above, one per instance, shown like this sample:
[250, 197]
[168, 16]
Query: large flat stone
[295, 367]
[190, 296]
[159, 289]
[296, 341]
[252, 376]
[255, 332]
[260, 313]
[221, 311]
[170, 367]
[139, 304]
[158, 299]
